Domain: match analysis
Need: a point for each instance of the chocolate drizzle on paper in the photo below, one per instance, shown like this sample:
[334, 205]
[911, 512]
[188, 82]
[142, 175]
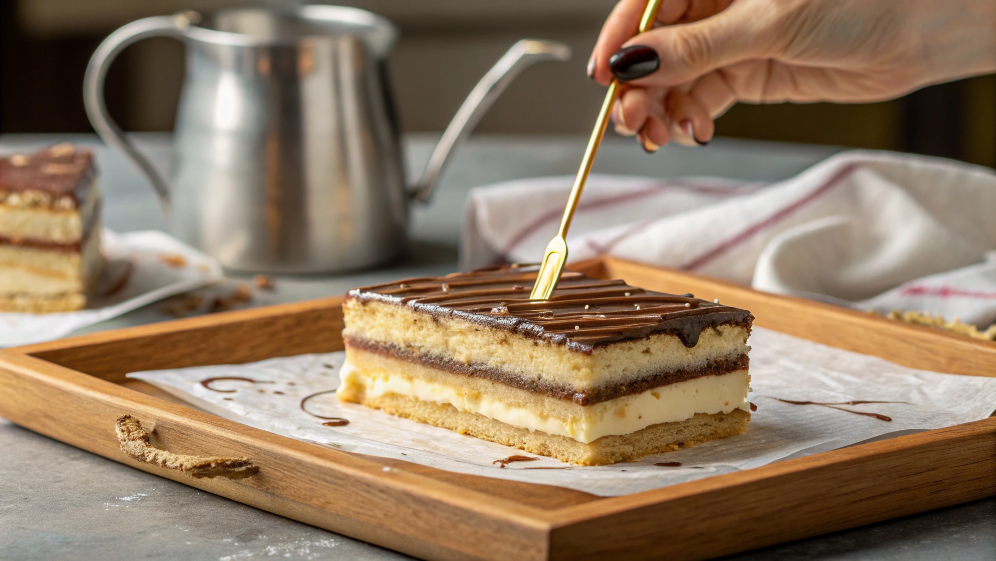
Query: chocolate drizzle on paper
[833, 405]
[207, 383]
[332, 421]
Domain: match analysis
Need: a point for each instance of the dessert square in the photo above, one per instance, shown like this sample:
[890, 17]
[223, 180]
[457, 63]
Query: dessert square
[49, 230]
[601, 372]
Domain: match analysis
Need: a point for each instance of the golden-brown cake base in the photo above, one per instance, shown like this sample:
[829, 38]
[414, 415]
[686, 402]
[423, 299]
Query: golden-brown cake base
[663, 437]
[31, 304]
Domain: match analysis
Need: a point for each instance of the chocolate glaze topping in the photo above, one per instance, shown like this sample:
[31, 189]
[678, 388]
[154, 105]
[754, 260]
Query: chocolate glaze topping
[57, 170]
[583, 313]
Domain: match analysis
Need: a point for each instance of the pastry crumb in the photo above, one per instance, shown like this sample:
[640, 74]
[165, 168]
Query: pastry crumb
[173, 260]
[182, 305]
[938, 322]
[264, 282]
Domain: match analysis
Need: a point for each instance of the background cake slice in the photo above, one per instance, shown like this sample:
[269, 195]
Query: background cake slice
[602, 372]
[49, 230]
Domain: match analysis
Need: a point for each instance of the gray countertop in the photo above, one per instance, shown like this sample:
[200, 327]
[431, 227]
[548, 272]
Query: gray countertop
[57, 501]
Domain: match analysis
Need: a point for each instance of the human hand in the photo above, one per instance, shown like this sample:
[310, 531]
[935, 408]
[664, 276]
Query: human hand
[706, 55]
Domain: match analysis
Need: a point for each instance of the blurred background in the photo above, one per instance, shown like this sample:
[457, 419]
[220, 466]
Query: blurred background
[446, 45]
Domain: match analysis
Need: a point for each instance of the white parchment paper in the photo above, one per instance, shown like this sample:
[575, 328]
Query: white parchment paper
[140, 268]
[781, 366]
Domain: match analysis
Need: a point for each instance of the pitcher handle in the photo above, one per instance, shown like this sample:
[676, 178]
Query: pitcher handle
[523, 54]
[93, 87]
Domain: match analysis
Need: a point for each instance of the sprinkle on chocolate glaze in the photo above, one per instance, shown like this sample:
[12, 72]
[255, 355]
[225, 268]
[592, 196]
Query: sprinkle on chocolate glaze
[583, 313]
[58, 170]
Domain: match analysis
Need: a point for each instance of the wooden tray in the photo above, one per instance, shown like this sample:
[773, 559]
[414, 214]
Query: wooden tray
[73, 390]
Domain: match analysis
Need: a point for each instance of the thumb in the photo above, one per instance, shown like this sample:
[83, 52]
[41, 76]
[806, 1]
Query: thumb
[676, 54]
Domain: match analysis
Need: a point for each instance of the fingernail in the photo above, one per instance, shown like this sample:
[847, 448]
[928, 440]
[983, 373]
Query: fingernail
[635, 61]
[648, 145]
[687, 126]
[591, 67]
[623, 131]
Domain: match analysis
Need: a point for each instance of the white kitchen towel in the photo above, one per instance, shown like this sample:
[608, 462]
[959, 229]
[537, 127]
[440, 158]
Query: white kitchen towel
[869, 230]
[140, 268]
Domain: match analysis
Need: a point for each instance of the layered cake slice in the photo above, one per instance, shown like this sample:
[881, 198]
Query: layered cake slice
[49, 230]
[602, 372]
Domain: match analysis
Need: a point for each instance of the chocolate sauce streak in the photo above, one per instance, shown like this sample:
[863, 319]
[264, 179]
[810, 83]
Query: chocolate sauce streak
[511, 459]
[668, 464]
[834, 404]
[583, 313]
[207, 383]
[332, 421]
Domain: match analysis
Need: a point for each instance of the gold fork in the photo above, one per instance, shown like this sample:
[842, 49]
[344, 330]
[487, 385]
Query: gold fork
[556, 252]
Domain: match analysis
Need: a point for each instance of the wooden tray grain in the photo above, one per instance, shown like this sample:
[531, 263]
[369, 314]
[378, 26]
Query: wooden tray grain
[73, 390]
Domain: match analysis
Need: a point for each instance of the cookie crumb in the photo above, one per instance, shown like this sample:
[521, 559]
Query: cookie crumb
[173, 260]
[938, 322]
[264, 282]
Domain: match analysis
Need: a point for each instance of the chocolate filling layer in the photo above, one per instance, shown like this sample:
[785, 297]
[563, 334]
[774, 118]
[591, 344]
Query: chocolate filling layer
[586, 397]
[583, 313]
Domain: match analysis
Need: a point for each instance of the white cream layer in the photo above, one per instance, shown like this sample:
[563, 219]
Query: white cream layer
[624, 415]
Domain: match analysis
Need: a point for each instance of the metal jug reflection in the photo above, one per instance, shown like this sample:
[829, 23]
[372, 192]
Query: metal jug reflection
[287, 155]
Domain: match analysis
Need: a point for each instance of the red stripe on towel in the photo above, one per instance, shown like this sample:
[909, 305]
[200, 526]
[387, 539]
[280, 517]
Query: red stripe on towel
[946, 292]
[557, 213]
[771, 220]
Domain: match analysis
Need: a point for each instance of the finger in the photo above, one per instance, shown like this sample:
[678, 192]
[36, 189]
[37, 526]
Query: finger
[620, 26]
[690, 122]
[714, 93]
[654, 134]
[701, 9]
[684, 52]
[633, 106]
[671, 11]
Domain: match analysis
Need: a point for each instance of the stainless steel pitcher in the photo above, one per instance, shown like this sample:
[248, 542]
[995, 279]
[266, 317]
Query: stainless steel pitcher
[287, 153]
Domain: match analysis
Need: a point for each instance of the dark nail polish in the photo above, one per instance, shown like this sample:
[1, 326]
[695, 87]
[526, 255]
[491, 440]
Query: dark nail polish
[591, 67]
[634, 62]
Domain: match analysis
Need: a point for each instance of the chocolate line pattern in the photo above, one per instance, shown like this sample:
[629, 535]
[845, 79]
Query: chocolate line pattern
[332, 421]
[207, 383]
[833, 405]
[511, 459]
[583, 312]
